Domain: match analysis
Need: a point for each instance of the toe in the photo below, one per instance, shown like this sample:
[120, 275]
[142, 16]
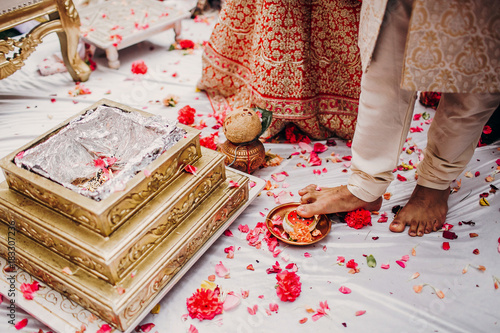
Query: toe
[308, 210]
[421, 229]
[413, 228]
[397, 226]
[307, 189]
[307, 198]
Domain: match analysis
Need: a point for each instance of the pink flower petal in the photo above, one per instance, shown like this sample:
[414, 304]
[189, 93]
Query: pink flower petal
[405, 258]
[104, 329]
[221, 270]
[385, 266]
[147, 173]
[192, 329]
[317, 316]
[278, 177]
[306, 147]
[360, 312]
[232, 300]
[401, 263]
[344, 290]
[273, 307]
[307, 255]
[253, 310]
[243, 228]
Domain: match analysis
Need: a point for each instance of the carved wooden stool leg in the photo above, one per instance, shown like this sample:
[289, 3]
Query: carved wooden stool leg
[112, 56]
[69, 38]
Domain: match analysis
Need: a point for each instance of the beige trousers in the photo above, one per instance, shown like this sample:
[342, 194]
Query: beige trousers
[385, 113]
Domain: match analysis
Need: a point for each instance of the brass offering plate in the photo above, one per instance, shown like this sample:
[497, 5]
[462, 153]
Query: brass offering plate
[324, 224]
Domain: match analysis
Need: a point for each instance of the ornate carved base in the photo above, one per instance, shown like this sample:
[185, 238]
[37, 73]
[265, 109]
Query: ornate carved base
[120, 305]
[112, 258]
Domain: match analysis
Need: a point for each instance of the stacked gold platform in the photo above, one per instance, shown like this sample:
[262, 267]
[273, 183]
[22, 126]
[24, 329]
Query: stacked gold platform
[114, 256]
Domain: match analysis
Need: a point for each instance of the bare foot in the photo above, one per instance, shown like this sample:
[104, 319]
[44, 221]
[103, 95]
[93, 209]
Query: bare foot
[327, 200]
[425, 212]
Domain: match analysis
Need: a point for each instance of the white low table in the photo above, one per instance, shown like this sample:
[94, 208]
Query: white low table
[116, 24]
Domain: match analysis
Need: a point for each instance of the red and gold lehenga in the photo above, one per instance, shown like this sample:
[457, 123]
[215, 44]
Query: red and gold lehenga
[298, 59]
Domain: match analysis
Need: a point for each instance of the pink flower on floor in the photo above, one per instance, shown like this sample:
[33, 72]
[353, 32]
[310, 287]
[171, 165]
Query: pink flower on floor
[204, 304]
[289, 286]
[139, 67]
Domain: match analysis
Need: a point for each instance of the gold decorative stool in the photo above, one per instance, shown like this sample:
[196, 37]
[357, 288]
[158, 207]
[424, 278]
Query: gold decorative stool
[115, 257]
[62, 19]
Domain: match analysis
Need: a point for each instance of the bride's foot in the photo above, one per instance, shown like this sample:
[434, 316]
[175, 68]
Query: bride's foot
[327, 200]
[425, 212]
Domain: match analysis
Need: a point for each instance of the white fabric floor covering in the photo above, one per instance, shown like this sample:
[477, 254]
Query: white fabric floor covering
[471, 303]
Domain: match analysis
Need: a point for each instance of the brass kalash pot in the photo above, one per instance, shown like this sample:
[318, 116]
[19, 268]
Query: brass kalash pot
[242, 148]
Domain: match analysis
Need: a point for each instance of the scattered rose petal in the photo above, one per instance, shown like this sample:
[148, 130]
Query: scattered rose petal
[307, 255]
[228, 233]
[192, 329]
[476, 251]
[250, 267]
[191, 169]
[273, 307]
[415, 275]
[104, 329]
[446, 246]
[243, 228]
[146, 327]
[232, 300]
[21, 324]
[221, 270]
[449, 234]
[360, 312]
[344, 290]
[253, 310]
[385, 266]
[401, 263]
[306, 147]
[303, 320]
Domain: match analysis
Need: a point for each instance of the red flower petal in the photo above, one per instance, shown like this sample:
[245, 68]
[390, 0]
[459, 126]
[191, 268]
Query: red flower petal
[146, 327]
[446, 246]
[21, 324]
[191, 169]
[401, 178]
[401, 263]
